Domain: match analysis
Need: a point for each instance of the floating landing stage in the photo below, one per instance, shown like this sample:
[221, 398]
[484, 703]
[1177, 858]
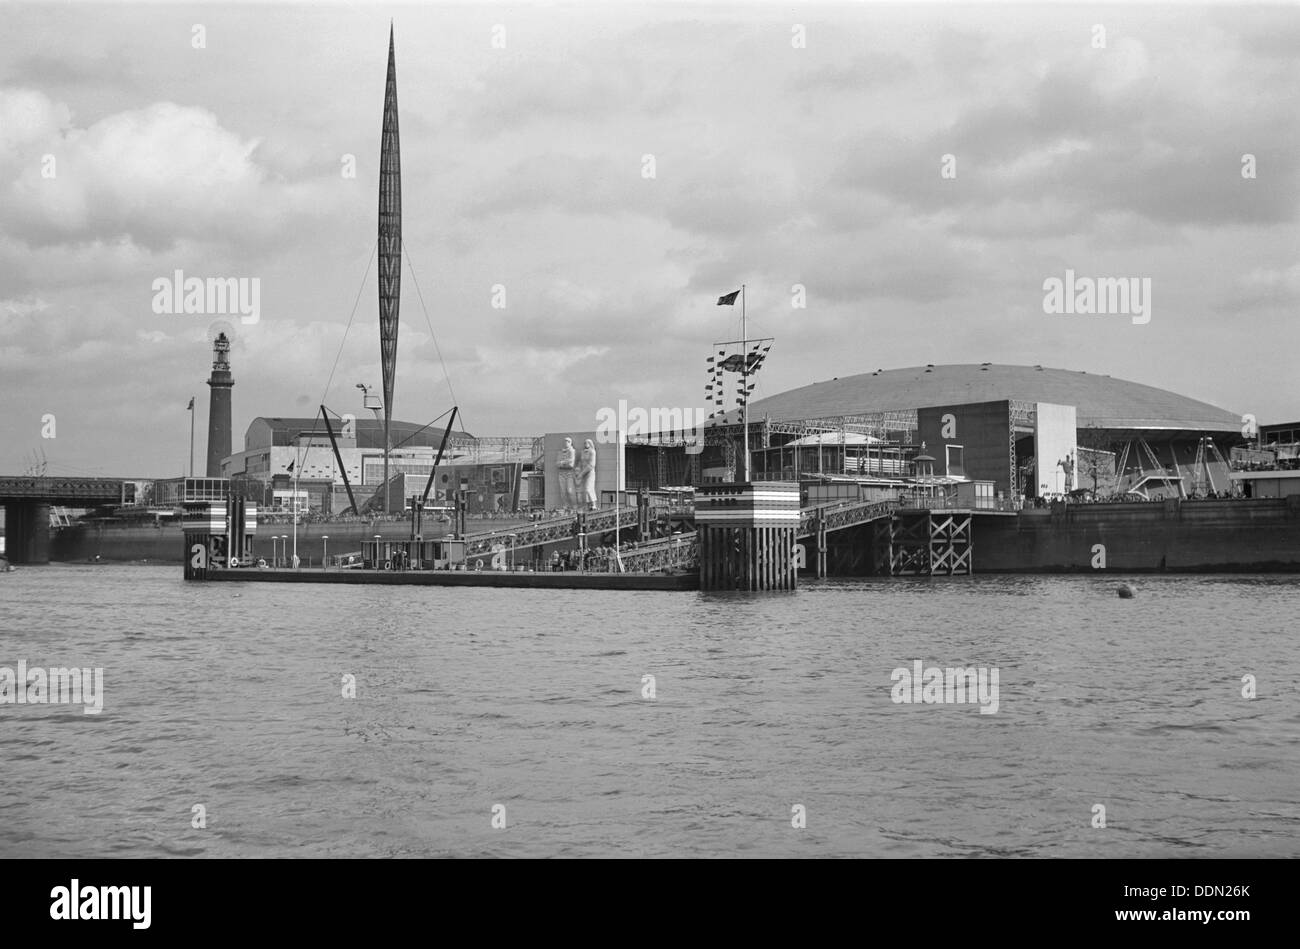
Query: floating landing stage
[559, 580]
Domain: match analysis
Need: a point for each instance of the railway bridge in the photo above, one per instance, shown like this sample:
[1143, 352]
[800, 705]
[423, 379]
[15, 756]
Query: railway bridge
[27, 501]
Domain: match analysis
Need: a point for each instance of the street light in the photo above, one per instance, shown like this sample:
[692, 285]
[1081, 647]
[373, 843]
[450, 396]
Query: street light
[275, 561]
[512, 552]
[284, 548]
[326, 558]
[377, 567]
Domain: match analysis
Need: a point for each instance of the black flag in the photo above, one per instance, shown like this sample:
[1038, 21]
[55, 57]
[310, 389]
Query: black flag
[729, 299]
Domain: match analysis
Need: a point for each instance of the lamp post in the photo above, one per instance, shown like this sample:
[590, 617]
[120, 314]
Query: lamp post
[377, 567]
[326, 557]
[462, 506]
[274, 559]
[512, 552]
[284, 548]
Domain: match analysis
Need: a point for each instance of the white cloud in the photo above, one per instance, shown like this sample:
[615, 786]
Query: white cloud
[150, 176]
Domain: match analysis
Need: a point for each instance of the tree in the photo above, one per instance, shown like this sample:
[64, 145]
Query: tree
[1096, 456]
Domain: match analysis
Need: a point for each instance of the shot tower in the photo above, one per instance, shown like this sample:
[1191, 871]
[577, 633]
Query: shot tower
[221, 382]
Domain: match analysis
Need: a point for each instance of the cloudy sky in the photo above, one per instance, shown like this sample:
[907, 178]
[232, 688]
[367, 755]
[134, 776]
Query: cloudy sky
[776, 162]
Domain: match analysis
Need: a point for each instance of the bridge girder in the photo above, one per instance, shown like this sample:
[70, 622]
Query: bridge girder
[72, 492]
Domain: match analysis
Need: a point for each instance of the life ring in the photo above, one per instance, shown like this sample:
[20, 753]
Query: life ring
[478, 564]
[234, 561]
[388, 565]
[261, 562]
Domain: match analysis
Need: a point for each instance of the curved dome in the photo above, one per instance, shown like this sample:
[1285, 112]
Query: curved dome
[1100, 400]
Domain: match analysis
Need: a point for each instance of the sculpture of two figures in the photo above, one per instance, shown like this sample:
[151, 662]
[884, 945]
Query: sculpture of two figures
[577, 476]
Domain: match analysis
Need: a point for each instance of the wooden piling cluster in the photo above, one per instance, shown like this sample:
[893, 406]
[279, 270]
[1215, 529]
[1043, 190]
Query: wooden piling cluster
[747, 535]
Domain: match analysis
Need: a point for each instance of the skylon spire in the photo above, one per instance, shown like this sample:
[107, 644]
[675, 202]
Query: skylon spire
[390, 247]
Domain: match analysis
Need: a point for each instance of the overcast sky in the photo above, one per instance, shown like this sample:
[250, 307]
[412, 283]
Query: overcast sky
[775, 164]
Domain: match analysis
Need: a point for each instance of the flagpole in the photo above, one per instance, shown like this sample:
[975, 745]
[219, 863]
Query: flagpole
[618, 499]
[297, 470]
[744, 354]
[191, 436]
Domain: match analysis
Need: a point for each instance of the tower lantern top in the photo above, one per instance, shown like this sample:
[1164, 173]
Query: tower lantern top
[221, 353]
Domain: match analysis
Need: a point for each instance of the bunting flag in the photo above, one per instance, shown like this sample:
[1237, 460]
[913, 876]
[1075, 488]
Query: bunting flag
[190, 407]
[728, 299]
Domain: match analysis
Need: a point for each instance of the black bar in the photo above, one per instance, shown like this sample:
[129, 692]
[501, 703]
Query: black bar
[446, 433]
[924, 902]
[339, 458]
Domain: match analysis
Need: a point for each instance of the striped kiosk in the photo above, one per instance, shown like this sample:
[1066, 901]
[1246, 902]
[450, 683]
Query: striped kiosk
[218, 534]
[747, 535]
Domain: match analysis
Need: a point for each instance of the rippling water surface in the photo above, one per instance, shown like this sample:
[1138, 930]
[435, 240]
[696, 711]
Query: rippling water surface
[230, 696]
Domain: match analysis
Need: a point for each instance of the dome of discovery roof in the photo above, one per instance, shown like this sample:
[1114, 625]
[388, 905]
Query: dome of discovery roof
[1100, 400]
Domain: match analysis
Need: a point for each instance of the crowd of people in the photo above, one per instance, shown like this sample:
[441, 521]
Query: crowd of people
[600, 559]
[1128, 497]
[1282, 464]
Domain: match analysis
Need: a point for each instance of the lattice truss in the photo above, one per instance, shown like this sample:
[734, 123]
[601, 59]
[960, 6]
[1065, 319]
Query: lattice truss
[930, 545]
[877, 424]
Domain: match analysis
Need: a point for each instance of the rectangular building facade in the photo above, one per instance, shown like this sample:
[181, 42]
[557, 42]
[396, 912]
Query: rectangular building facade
[982, 432]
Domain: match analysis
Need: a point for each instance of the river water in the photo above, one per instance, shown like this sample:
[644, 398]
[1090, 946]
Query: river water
[532, 708]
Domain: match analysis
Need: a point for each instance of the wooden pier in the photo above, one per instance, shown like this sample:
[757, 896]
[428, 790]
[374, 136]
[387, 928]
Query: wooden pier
[525, 579]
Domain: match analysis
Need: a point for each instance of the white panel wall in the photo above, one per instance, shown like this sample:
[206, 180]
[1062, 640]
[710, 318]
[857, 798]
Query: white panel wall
[1054, 441]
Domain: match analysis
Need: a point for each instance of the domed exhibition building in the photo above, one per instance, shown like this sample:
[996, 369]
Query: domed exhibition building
[1032, 431]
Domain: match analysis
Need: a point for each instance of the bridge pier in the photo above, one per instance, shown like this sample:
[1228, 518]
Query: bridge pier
[820, 536]
[930, 543]
[27, 532]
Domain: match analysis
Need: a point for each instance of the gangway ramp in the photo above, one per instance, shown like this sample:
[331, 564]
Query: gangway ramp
[551, 530]
[843, 514]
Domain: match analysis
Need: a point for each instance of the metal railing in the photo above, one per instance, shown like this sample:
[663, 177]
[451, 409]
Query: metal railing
[667, 553]
[548, 531]
[959, 504]
[838, 515]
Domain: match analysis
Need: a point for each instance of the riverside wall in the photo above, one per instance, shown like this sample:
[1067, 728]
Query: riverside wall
[1258, 535]
[165, 544]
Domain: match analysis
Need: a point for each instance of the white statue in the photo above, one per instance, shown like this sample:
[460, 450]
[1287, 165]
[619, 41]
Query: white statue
[1068, 467]
[564, 473]
[587, 477]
